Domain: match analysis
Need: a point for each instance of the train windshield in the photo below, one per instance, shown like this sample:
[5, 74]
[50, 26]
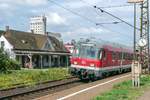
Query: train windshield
[76, 52]
[88, 52]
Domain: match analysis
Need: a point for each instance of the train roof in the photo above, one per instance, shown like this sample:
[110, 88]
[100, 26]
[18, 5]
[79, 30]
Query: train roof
[108, 45]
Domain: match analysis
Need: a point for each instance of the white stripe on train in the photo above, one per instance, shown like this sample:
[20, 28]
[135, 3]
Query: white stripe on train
[103, 68]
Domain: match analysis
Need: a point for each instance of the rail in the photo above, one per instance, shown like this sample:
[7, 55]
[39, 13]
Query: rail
[19, 91]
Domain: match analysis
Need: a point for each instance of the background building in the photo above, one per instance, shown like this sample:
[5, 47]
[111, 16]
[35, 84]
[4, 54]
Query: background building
[38, 24]
[34, 50]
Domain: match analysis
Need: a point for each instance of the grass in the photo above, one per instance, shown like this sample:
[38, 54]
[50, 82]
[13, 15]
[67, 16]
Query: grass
[26, 77]
[125, 91]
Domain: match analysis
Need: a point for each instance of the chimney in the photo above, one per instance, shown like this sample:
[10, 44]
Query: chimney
[32, 31]
[7, 28]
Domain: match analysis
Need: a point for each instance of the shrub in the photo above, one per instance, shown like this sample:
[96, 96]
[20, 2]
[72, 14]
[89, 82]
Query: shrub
[6, 63]
[13, 65]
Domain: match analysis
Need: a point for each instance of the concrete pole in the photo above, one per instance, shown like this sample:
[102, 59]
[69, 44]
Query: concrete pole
[58, 61]
[67, 61]
[148, 35]
[30, 63]
[134, 43]
[49, 61]
[41, 57]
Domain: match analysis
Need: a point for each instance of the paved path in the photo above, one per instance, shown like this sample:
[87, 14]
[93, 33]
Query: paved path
[87, 91]
[145, 96]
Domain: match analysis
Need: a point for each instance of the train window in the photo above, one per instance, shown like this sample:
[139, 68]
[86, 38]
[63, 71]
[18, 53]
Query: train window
[120, 55]
[124, 56]
[117, 55]
[130, 57]
[75, 52]
[104, 54]
[112, 55]
[83, 52]
[100, 54]
[91, 52]
[127, 56]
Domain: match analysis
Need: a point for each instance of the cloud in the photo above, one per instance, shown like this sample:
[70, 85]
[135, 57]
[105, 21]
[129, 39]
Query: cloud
[35, 2]
[92, 1]
[14, 12]
[88, 30]
[55, 19]
[4, 6]
[82, 32]
[25, 2]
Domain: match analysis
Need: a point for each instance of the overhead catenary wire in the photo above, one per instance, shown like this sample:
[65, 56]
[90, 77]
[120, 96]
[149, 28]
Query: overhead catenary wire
[108, 23]
[115, 6]
[75, 13]
[112, 6]
[104, 11]
[91, 6]
[100, 8]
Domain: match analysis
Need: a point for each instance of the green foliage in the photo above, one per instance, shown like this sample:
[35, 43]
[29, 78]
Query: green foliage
[27, 77]
[125, 91]
[13, 65]
[3, 61]
[6, 63]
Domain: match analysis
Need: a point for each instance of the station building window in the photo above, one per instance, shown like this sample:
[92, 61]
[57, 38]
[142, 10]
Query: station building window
[2, 44]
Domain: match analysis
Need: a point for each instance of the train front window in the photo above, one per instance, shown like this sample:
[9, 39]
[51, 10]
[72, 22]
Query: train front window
[76, 52]
[89, 52]
[82, 52]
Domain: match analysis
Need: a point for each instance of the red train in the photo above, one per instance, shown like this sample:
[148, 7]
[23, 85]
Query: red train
[93, 60]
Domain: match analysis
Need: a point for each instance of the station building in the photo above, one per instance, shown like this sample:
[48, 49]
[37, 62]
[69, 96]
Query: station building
[34, 50]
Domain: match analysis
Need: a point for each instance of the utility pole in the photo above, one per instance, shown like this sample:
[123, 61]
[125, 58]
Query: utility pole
[134, 35]
[143, 43]
[141, 47]
[144, 36]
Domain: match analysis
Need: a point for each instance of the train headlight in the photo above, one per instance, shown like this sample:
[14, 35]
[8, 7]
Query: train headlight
[92, 65]
[75, 63]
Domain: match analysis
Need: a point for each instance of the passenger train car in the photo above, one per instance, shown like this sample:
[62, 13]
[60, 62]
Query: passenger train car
[93, 60]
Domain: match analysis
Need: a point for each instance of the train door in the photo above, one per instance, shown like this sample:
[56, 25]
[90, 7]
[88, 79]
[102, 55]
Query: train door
[104, 58]
[109, 58]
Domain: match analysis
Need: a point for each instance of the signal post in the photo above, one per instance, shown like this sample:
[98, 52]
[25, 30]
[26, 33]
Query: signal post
[141, 58]
[136, 71]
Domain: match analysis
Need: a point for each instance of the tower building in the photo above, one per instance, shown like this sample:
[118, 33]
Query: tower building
[38, 24]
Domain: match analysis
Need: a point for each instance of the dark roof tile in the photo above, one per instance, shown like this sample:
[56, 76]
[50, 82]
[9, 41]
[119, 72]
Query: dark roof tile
[29, 41]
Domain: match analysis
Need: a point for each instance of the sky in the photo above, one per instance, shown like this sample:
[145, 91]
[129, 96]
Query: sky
[16, 14]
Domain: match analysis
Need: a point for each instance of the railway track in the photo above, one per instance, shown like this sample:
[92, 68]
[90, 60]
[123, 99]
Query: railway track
[41, 89]
[27, 93]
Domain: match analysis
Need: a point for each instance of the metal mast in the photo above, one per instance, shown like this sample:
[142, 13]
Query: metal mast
[145, 34]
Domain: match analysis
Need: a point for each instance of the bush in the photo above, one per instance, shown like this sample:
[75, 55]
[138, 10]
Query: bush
[6, 63]
[13, 65]
[30, 77]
